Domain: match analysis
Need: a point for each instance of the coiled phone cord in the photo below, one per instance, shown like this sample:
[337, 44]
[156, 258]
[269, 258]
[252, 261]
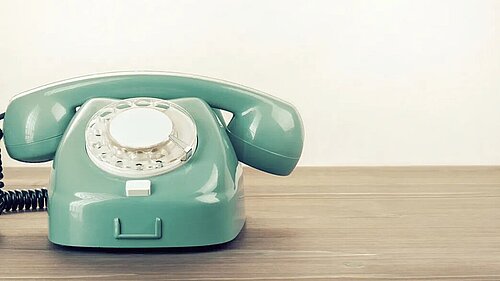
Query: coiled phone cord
[20, 199]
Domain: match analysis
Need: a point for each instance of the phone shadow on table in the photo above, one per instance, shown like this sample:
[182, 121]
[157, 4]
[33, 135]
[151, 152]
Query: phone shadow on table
[233, 244]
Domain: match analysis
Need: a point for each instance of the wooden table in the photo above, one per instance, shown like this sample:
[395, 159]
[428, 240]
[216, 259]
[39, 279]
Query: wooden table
[318, 224]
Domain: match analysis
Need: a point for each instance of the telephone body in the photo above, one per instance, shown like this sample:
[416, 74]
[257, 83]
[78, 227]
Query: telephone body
[145, 159]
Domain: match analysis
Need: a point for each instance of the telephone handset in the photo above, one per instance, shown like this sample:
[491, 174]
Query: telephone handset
[266, 132]
[150, 139]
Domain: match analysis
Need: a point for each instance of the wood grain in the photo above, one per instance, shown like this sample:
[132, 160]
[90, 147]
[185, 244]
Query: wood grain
[410, 223]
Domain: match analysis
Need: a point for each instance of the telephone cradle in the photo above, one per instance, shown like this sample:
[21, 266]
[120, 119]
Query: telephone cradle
[146, 159]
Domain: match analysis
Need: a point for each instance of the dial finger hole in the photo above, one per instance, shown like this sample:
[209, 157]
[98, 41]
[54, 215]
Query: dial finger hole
[162, 105]
[123, 105]
[106, 112]
[143, 102]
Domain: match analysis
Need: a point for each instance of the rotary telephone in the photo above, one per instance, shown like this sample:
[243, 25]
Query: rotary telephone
[145, 159]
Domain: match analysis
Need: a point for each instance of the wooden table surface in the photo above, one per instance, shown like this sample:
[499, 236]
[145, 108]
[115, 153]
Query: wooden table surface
[318, 224]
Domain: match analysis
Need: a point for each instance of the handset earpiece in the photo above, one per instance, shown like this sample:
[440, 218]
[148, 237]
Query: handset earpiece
[268, 136]
[266, 133]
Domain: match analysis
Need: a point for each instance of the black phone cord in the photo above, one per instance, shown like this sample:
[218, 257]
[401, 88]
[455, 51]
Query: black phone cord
[20, 199]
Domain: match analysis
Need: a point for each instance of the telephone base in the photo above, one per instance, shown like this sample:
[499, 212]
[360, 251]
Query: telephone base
[197, 204]
[117, 223]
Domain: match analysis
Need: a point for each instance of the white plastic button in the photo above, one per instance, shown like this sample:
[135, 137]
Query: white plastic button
[138, 188]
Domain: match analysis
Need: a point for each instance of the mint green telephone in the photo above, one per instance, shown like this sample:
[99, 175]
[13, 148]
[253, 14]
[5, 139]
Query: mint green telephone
[145, 159]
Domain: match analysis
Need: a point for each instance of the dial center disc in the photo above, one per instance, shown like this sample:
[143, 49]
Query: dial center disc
[139, 128]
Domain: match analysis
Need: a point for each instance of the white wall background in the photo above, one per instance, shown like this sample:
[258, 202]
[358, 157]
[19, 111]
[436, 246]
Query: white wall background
[376, 82]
